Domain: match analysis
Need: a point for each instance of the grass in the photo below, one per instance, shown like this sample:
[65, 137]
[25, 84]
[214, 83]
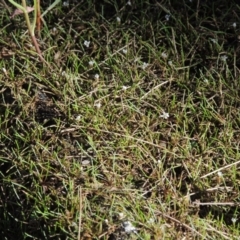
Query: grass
[87, 147]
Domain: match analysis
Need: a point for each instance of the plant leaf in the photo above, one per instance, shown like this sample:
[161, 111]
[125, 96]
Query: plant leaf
[18, 11]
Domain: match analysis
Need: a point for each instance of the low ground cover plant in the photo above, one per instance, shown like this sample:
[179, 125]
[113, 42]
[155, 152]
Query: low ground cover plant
[131, 129]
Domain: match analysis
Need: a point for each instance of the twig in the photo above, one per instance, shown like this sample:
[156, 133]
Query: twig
[220, 169]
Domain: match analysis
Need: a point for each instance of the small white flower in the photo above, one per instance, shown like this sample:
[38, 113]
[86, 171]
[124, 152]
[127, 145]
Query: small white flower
[118, 19]
[205, 80]
[234, 25]
[124, 88]
[54, 31]
[234, 220]
[224, 58]
[220, 175]
[85, 162]
[96, 76]
[106, 221]
[121, 215]
[150, 220]
[63, 73]
[97, 105]
[167, 17]
[124, 51]
[214, 40]
[86, 43]
[170, 63]
[145, 65]
[164, 55]
[129, 3]
[164, 115]
[4, 71]
[128, 227]
[66, 4]
[78, 118]
[91, 63]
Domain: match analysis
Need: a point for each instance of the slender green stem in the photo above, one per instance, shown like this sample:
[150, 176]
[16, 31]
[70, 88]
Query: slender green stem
[35, 15]
[23, 7]
[31, 28]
